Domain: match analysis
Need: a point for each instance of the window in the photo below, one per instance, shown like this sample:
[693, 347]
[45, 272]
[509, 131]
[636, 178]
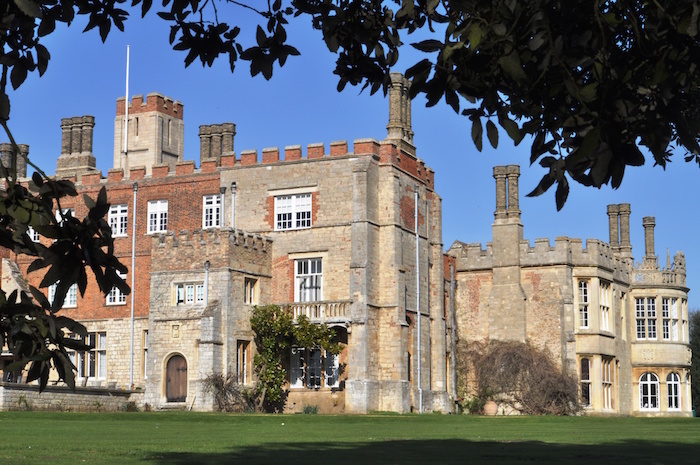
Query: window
[157, 216]
[585, 382]
[604, 306]
[251, 291]
[211, 211]
[608, 383]
[115, 296]
[71, 299]
[189, 293]
[665, 319]
[308, 280]
[649, 392]
[66, 212]
[118, 218]
[674, 319]
[583, 304]
[243, 358]
[91, 363]
[33, 235]
[673, 388]
[292, 211]
[145, 354]
[646, 317]
[313, 368]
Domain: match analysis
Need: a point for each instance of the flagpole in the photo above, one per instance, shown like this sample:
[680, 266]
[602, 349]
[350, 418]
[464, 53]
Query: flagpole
[133, 220]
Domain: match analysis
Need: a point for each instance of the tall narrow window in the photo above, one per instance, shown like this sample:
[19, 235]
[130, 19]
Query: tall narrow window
[71, 299]
[296, 372]
[118, 218]
[583, 304]
[211, 211]
[157, 216]
[33, 235]
[646, 317]
[648, 392]
[585, 382]
[651, 318]
[251, 291]
[243, 357]
[674, 319]
[308, 278]
[145, 354]
[292, 211]
[608, 383]
[665, 319]
[673, 388]
[332, 370]
[604, 306]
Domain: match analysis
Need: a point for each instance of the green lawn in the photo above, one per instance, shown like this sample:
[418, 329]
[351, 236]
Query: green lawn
[197, 438]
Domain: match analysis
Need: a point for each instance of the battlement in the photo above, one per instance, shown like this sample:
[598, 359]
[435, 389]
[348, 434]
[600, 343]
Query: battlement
[219, 247]
[566, 251]
[648, 272]
[154, 102]
[387, 152]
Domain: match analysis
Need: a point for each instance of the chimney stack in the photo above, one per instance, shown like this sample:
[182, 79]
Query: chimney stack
[76, 147]
[650, 259]
[6, 157]
[399, 127]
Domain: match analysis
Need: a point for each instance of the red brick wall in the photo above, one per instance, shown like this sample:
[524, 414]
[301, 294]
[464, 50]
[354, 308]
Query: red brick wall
[283, 277]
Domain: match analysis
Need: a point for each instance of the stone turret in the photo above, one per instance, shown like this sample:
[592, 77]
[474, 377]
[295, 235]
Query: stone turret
[507, 298]
[156, 133]
[76, 147]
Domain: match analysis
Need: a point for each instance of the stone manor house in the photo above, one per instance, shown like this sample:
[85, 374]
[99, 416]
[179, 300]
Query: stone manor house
[352, 239]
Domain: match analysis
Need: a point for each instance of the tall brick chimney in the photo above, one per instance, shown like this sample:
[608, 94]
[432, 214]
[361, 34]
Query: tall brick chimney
[216, 140]
[76, 147]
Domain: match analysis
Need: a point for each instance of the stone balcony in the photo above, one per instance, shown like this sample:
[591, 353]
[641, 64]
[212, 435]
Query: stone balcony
[330, 312]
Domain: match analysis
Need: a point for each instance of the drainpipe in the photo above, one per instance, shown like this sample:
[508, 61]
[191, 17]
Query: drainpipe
[207, 265]
[233, 205]
[454, 333]
[418, 313]
[133, 284]
[222, 212]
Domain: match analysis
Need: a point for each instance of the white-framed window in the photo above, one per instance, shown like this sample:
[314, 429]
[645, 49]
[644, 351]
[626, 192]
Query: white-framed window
[157, 216]
[189, 293]
[308, 280]
[665, 319]
[585, 382]
[646, 317]
[71, 300]
[118, 219]
[604, 303]
[115, 296]
[313, 369]
[145, 354]
[64, 213]
[674, 319]
[292, 211]
[243, 360]
[250, 294]
[211, 211]
[607, 381]
[33, 235]
[648, 392]
[583, 303]
[673, 390]
[91, 363]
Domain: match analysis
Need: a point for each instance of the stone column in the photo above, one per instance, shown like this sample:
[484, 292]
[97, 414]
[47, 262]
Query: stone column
[76, 145]
[625, 245]
[66, 124]
[614, 223]
[649, 253]
[499, 173]
[229, 131]
[512, 174]
[395, 127]
[22, 160]
[204, 142]
[87, 125]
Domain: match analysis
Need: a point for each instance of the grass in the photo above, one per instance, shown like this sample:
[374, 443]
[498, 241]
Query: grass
[213, 439]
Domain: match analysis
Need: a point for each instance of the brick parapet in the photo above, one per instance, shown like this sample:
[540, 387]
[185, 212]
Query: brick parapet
[154, 102]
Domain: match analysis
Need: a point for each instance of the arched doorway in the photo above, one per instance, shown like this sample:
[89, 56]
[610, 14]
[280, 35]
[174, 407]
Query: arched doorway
[176, 379]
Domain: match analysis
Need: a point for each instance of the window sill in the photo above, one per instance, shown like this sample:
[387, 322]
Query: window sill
[114, 304]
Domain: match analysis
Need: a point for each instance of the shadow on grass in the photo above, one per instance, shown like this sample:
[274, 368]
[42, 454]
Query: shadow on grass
[453, 451]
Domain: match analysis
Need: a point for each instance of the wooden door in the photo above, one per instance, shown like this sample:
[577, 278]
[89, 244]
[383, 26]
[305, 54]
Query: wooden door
[176, 379]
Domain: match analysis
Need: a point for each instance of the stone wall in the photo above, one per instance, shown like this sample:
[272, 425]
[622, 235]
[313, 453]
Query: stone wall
[61, 398]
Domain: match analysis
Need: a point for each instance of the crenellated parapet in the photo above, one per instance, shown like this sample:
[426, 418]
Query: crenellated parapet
[223, 247]
[648, 273]
[154, 102]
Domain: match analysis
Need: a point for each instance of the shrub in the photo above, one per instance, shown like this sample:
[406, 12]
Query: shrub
[229, 396]
[310, 409]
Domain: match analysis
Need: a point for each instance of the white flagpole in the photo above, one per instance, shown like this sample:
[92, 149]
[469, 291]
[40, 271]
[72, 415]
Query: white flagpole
[133, 219]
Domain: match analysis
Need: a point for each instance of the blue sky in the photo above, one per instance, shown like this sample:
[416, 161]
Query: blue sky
[300, 105]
